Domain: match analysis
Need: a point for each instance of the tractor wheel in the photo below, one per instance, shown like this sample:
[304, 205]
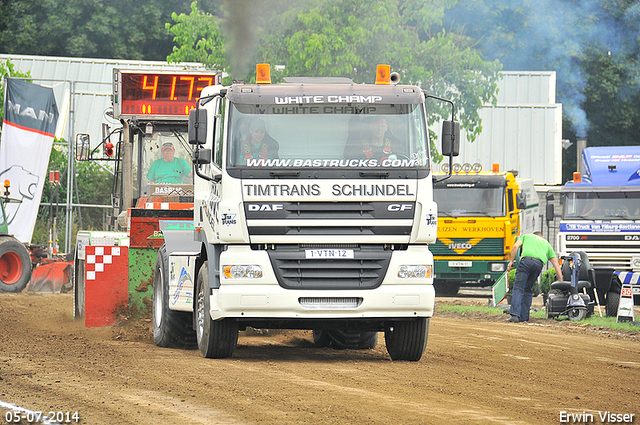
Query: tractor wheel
[216, 338]
[613, 299]
[170, 328]
[407, 340]
[354, 340]
[15, 265]
[78, 287]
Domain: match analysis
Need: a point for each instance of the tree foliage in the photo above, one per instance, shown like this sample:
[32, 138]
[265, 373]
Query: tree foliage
[198, 38]
[122, 29]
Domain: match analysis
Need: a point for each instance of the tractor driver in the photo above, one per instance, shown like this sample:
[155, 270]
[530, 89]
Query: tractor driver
[169, 169]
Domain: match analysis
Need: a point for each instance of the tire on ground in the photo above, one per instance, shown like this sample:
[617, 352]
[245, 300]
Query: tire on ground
[170, 328]
[406, 340]
[339, 339]
[78, 286]
[15, 265]
[613, 299]
[216, 338]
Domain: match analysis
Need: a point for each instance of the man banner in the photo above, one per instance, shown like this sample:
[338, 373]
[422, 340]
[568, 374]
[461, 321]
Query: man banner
[30, 117]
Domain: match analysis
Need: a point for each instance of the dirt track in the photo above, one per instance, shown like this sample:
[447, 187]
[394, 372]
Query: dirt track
[477, 370]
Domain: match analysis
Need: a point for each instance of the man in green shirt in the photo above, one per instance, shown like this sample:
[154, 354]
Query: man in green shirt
[536, 251]
[169, 169]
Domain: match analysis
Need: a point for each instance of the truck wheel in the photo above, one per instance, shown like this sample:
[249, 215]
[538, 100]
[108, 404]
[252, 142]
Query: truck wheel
[170, 328]
[217, 339]
[613, 299]
[15, 265]
[354, 340]
[407, 340]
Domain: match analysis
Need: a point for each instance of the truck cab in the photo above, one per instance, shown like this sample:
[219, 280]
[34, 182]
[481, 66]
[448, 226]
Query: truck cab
[313, 210]
[601, 216]
[480, 215]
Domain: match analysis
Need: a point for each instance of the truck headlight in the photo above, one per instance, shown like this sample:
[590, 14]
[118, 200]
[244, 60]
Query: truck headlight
[415, 272]
[497, 267]
[635, 263]
[242, 272]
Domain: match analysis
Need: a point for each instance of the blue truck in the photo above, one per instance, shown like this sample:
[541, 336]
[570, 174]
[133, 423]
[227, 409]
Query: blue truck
[601, 216]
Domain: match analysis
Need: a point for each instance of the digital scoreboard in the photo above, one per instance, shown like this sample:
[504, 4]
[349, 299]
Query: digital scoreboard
[159, 94]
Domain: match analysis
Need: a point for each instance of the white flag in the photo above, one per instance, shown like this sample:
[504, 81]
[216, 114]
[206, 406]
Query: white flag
[30, 117]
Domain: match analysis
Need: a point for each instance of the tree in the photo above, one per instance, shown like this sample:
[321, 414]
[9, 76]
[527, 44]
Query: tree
[124, 29]
[198, 39]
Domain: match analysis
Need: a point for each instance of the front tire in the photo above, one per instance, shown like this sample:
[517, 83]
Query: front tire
[217, 339]
[15, 265]
[407, 340]
[170, 328]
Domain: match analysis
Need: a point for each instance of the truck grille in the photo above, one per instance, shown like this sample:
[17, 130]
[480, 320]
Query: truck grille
[468, 247]
[603, 253]
[365, 271]
[301, 222]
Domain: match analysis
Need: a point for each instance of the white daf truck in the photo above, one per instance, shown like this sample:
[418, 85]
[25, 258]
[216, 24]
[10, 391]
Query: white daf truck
[313, 210]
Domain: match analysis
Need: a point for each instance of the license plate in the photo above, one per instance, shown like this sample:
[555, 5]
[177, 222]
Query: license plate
[460, 263]
[328, 253]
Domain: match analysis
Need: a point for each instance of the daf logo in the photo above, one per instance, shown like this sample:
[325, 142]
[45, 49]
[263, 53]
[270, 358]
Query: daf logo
[632, 238]
[458, 245]
[399, 207]
[265, 207]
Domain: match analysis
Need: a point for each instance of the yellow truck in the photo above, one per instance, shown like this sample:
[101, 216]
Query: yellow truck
[480, 215]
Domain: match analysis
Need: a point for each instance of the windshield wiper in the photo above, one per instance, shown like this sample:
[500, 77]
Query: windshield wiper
[383, 174]
[284, 173]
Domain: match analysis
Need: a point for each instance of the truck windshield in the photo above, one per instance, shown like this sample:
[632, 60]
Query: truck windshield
[165, 163]
[470, 201]
[353, 136]
[601, 205]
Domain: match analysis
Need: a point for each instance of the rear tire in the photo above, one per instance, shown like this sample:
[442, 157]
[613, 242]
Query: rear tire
[78, 288]
[15, 265]
[170, 328]
[407, 340]
[217, 339]
[613, 299]
[339, 339]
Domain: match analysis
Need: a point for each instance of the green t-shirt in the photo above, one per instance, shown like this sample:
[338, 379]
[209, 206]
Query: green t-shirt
[536, 247]
[162, 171]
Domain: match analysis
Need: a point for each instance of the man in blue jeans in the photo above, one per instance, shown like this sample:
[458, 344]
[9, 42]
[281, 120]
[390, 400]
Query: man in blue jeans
[536, 251]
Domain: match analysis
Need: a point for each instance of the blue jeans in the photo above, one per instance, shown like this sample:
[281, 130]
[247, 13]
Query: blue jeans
[528, 271]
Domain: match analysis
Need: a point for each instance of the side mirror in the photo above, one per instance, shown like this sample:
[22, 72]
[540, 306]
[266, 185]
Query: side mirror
[83, 147]
[197, 126]
[202, 156]
[550, 212]
[450, 138]
[521, 200]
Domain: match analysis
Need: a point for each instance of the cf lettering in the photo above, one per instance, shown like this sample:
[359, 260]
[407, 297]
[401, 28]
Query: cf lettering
[399, 207]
